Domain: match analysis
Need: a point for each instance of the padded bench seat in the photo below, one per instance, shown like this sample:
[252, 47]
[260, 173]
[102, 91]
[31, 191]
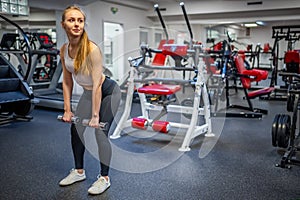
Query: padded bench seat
[159, 89]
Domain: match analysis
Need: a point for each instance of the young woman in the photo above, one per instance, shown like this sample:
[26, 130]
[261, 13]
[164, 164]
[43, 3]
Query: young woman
[82, 61]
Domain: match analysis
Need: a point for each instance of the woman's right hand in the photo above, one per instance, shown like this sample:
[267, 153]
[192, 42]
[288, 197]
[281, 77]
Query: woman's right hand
[68, 116]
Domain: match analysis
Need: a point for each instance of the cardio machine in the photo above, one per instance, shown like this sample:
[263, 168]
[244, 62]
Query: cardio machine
[16, 97]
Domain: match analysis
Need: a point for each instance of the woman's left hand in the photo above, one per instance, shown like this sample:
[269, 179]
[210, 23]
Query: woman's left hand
[94, 122]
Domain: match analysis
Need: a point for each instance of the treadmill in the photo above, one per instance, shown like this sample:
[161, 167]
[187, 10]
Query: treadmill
[45, 74]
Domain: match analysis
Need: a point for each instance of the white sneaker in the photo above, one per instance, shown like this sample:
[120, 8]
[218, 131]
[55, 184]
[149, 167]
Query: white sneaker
[73, 177]
[99, 186]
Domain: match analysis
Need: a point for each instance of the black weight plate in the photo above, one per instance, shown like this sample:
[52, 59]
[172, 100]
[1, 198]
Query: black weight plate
[274, 129]
[283, 132]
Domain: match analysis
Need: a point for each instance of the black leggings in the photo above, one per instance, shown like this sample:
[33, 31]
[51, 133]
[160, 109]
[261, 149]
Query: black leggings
[111, 97]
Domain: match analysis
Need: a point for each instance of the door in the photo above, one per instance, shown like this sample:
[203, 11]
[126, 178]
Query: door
[113, 49]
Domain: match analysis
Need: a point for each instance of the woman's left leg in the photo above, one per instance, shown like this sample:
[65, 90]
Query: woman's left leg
[111, 97]
[108, 110]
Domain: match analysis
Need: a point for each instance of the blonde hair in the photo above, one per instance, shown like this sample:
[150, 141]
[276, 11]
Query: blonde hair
[82, 62]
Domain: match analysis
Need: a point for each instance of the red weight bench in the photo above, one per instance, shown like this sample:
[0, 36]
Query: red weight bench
[247, 77]
[159, 89]
[161, 94]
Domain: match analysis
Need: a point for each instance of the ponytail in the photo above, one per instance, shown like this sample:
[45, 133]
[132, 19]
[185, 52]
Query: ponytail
[82, 61]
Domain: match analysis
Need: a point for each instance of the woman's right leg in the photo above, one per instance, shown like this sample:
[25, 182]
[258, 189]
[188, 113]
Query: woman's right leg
[78, 148]
[77, 142]
[83, 111]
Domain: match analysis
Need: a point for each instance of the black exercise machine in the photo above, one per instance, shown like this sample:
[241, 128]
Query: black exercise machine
[232, 69]
[291, 34]
[16, 97]
[284, 126]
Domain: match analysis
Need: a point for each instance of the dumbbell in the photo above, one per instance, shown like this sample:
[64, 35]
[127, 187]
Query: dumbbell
[102, 125]
[74, 120]
[85, 122]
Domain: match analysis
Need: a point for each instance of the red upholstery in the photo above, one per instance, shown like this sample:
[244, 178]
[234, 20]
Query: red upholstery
[218, 46]
[248, 76]
[175, 50]
[211, 67]
[159, 58]
[291, 57]
[266, 48]
[260, 92]
[159, 89]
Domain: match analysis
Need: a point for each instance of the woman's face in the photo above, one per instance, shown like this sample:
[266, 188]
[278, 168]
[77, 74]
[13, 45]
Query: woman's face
[73, 23]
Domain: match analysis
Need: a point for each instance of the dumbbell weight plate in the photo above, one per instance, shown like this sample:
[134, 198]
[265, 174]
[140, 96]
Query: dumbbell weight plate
[274, 129]
[283, 134]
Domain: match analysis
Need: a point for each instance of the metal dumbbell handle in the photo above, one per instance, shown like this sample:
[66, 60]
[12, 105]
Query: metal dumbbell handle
[85, 122]
[74, 120]
[102, 125]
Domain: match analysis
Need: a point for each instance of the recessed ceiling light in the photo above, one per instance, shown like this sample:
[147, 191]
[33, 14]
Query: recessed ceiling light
[250, 25]
[261, 23]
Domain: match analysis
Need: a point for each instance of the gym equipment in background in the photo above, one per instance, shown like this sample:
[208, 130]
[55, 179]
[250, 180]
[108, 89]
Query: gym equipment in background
[45, 73]
[16, 97]
[290, 34]
[231, 68]
[284, 128]
[163, 90]
[247, 76]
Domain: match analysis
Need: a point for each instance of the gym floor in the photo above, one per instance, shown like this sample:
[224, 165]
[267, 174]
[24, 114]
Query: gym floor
[36, 155]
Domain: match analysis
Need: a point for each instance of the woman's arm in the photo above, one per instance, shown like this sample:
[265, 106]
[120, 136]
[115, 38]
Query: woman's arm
[67, 87]
[98, 78]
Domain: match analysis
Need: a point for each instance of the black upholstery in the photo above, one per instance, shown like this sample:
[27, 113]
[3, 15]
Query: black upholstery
[4, 71]
[8, 40]
[12, 96]
[10, 88]
[9, 84]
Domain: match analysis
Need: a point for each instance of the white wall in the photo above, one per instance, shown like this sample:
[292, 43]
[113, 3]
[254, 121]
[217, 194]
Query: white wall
[131, 19]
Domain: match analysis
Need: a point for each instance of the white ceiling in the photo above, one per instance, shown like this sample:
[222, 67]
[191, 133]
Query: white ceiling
[199, 11]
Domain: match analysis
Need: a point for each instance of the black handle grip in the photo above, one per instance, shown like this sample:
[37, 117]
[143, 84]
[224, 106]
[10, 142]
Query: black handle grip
[187, 21]
[156, 7]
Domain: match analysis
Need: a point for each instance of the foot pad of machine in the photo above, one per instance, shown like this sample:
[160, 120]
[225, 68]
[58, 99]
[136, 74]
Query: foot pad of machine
[161, 126]
[140, 123]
